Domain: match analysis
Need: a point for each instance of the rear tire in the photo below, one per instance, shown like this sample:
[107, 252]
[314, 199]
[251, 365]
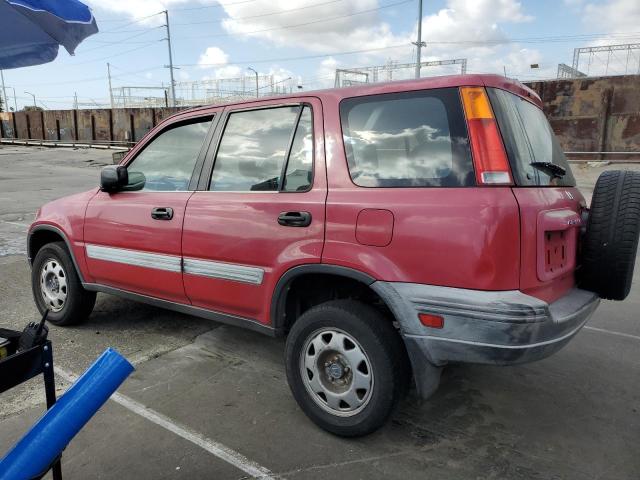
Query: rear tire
[56, 286]
[611, 240]
[346, 366]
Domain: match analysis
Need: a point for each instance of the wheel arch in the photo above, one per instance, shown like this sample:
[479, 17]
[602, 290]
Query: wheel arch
[40, 235]
[278, 311]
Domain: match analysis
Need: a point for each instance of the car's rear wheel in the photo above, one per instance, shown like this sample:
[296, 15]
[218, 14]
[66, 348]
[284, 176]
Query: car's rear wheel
[346, 366]
[56, 286]
[610, 242]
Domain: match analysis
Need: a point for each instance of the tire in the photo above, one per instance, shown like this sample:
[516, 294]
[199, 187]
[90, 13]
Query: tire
[369, 353]
[56, 286]
[611, 240]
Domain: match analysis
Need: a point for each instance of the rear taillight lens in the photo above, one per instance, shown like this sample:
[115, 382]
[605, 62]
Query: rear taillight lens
[489, 157]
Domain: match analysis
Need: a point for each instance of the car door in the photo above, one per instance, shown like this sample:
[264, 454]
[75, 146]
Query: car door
[260, 206]
[133, 237]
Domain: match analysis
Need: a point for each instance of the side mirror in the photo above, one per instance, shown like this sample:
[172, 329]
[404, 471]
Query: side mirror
[113, 178]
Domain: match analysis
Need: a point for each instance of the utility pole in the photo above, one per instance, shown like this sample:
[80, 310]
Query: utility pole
[15, 99]
[257, 89]
[110, 90]
[168, 39]
[419, 44]
[75, 100]
[4, 92]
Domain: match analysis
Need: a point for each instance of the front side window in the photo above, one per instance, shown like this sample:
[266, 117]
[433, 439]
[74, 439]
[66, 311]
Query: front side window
[257, 145]
[413, 139]
[167, 162]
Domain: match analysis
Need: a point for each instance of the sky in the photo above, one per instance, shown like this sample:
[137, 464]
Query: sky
[306, 40]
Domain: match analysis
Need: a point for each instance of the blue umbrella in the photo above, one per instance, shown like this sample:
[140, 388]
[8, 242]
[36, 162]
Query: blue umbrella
[31, 31]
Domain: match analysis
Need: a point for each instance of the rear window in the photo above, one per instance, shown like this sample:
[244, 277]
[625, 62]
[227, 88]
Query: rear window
[412, 139]
[530, 143]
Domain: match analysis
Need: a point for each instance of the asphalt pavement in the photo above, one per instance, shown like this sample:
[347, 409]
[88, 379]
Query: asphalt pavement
[211, 401]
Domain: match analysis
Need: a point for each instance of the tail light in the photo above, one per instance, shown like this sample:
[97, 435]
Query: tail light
[489, 157]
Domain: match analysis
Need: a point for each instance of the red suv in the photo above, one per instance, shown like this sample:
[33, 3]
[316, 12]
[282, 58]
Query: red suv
[386, 229]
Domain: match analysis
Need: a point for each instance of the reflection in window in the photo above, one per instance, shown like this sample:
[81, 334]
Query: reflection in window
[167, 162]
[299, 169]
[253, 150]
[407, 140]
[528, 138]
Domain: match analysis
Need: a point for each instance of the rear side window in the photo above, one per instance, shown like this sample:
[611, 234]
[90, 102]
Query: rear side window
[265, 150]
[412, 139]
[531, 145]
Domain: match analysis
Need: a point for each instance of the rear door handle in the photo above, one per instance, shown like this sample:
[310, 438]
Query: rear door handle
[162, 213]
[294, 219]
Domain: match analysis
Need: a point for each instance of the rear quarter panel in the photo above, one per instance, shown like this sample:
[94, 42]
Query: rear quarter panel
[458, 237]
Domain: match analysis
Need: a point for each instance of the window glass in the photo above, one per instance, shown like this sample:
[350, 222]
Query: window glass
[167, 162]
[414, 139]
[299, 169]
[529, 141]
[253, 150]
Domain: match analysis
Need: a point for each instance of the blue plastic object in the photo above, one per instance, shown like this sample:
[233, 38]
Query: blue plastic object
[37, 450]
[31, 31]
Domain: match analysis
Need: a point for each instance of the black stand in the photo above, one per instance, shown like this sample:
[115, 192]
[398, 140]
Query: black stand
[18, 367]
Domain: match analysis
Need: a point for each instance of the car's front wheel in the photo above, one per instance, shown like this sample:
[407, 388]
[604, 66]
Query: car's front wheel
[346, 366]
[56, 286]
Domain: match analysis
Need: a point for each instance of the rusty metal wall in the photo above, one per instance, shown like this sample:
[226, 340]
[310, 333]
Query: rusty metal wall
[600, 114]
[7, 127]
[587, 115]
[59, 125]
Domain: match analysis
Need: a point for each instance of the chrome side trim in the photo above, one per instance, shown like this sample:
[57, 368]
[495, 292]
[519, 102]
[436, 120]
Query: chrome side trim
[225, 318]
[135, 258]
[225, 271]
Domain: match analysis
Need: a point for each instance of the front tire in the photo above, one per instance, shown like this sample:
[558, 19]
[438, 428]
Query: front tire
[56, 286]
[346, 366]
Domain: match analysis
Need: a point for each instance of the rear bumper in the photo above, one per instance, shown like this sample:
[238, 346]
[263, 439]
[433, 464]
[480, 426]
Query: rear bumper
[499, 328]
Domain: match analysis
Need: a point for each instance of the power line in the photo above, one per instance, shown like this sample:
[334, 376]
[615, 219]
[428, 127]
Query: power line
[138, 20]
[218, 5]
[116, 54]
[281, 12]
[284, 27]
[117, 42]
[91, 79]
[287, 59]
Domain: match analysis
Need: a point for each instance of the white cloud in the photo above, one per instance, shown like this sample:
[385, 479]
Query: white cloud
[137, 9]
[613, 15]
[619, 19]
[344, 30]
[460, 21]
[213, 56]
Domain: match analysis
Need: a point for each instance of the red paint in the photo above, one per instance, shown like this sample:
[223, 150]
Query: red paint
[533, 202]
[485, 238]
[123, 220]
[374, 227]
[242, 228]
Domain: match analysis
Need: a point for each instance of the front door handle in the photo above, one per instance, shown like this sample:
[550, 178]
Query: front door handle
[294, 219]
[162, 213]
